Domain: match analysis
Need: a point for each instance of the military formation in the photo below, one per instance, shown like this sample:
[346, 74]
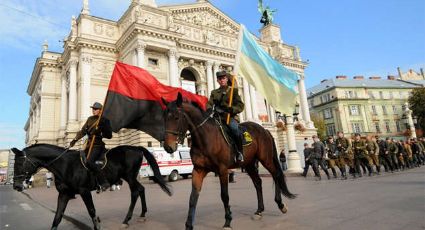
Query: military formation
[360, 156]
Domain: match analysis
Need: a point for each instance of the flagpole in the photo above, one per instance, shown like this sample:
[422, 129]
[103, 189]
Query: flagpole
[231, 98]
[236, 69]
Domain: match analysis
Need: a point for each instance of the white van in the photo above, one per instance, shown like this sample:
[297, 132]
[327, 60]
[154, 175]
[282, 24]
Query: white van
[170, 165]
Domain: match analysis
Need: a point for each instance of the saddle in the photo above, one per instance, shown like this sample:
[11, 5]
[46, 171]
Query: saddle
[102, 161]
[228, 136]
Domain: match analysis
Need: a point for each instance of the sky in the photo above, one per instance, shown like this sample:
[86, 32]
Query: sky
[350, 37]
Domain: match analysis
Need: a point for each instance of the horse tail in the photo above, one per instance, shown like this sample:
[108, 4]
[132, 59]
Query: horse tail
[280, 178]
[157, 174]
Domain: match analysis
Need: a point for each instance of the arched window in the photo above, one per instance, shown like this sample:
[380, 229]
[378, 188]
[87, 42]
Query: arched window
[188, 80]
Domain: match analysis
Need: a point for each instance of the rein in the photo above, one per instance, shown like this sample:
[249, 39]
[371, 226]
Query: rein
[179, 133]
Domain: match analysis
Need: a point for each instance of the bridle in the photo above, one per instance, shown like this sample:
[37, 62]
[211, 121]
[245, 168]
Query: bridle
[32, 161]
[181, 135]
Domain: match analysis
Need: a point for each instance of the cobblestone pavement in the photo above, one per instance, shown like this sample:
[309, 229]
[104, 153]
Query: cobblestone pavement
[389, 201]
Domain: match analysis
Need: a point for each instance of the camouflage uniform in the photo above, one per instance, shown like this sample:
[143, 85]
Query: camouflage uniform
[372, 149]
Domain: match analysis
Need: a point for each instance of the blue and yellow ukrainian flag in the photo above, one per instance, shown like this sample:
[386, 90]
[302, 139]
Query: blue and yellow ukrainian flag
[277, 84]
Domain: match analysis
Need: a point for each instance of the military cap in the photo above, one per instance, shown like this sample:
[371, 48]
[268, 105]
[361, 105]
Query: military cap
[314, 136]
[96, 105]
[357, 134]
[221, 74]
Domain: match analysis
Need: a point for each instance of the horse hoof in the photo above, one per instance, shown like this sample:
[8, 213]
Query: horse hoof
[284, 209]
[124, 226]
[257, 216]
[227, 228]
[141, 219]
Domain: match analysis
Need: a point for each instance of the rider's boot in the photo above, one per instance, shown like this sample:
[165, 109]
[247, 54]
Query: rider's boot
[239, 149]
[103, 184]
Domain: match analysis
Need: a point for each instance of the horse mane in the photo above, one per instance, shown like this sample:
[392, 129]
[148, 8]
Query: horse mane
[46, 145]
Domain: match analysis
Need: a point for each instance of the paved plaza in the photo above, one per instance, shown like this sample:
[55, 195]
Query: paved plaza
[390, 201]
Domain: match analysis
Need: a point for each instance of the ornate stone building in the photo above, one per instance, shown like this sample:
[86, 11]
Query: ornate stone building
[182, 45]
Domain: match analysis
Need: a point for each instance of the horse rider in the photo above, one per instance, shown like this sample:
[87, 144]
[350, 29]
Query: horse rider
[102, 130]
[220, 98]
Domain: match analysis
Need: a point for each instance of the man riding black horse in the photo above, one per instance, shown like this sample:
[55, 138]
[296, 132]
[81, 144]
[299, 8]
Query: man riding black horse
[95, 132]
[220, 98]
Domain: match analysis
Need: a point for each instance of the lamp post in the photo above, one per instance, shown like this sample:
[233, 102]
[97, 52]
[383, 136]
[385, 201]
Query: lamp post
[293, 159]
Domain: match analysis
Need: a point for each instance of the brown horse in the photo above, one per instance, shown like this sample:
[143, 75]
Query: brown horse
[211, 153]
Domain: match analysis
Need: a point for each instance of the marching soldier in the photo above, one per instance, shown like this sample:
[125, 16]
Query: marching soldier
[343, 146]
[102, 130]
[409, 153]
[332, 155]
[220, 98]
[384, 154]
[393, 150]
[416, 149]
[319, 151]
[359, 148]
[373, 153]
[310, 159]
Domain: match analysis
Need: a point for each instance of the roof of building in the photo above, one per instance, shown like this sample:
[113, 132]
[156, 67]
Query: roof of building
[364, 83]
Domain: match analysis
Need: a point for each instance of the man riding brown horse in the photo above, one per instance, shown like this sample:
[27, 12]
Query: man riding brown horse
[220, 98]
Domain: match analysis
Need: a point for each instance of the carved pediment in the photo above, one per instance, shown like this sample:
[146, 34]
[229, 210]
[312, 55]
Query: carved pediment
[205, 18]
[205, 15]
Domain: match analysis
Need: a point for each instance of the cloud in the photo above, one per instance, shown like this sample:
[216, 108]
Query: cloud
[24, 25]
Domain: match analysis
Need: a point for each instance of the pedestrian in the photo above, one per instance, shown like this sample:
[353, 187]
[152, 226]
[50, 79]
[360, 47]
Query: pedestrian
[49, 178]
[30, 182]
[282, 159]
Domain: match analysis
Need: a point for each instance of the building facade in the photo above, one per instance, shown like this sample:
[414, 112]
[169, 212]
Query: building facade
[367, 106]
[182, 45]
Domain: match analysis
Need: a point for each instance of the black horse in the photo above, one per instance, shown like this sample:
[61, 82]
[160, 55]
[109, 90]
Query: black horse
[211, 153]
[71, 176]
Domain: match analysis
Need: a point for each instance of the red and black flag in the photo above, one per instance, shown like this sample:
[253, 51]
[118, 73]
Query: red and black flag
[134, 100]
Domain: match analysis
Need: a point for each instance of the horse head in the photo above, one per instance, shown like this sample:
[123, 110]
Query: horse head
[176, 125]
[24, 168]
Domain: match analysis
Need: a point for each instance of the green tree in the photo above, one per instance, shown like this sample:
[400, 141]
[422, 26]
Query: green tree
[319, 123]
[416, 104]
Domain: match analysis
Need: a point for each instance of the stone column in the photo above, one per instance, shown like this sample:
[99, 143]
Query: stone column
[304, 103]
[254, 108]
[72, 104]
[247, 100]
[64, 100]
[215, 70]
[272, 114]
[172, 61]
[85, 70]
[140, 50]
[294, 160]
[210, 77]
